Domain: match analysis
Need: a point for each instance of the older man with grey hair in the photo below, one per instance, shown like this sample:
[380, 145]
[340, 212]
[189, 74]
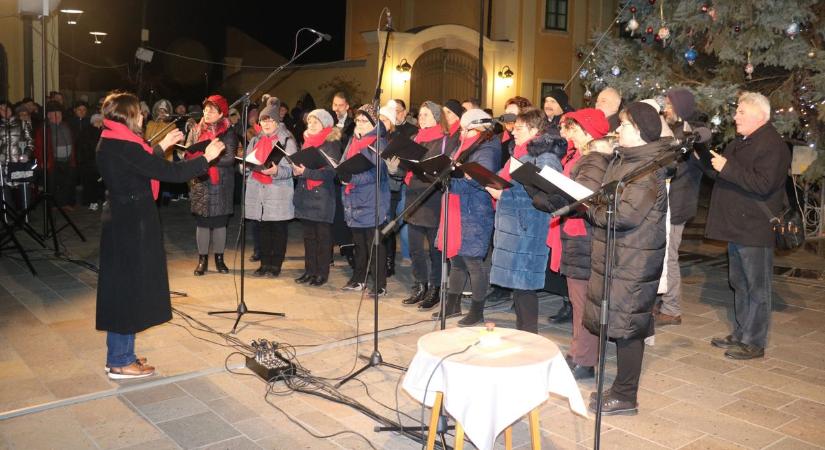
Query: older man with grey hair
[609, 101]
[749, 190]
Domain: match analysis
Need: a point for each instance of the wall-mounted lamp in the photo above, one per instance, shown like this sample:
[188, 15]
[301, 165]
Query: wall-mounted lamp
[506, 75]
[403, 69]
[72, 15]
[98, 35]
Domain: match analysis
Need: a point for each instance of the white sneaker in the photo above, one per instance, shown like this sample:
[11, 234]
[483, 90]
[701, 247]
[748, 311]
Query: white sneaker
[92, 206]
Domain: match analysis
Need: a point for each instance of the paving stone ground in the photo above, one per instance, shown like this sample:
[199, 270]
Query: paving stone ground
[691, 397]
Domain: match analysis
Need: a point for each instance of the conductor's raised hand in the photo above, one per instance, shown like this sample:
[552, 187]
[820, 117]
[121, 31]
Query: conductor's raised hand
[214, 149]
[171, 138]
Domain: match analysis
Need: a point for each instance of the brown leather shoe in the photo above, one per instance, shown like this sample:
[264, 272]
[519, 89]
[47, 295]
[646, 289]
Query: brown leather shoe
[663, 319]
[140, 360]
[134, 370]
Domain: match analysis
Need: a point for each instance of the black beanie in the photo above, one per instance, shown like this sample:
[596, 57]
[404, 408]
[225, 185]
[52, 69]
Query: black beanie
[646, 119]
[454, 106]
[561, 98]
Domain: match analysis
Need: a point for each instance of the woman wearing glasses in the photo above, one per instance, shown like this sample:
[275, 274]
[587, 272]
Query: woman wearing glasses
[211, 195]
[269, 189]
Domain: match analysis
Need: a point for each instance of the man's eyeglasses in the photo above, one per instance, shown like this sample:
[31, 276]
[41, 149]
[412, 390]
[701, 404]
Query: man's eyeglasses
[266, 120]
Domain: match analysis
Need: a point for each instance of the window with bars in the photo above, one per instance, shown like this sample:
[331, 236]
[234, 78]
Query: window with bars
[555, 15]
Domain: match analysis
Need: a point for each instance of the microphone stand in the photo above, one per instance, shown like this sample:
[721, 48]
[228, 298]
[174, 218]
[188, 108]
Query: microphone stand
[245, 99]
[375, 358]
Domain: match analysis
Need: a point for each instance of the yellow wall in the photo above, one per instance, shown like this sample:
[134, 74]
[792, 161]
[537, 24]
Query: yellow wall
[11, 36]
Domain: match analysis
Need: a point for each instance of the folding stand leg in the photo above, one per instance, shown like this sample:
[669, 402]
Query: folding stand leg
[459, 437]
[508, 438]
[433, 428]
[535, 431]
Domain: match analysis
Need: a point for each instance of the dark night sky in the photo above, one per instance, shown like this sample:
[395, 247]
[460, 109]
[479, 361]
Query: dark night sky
[170, 21]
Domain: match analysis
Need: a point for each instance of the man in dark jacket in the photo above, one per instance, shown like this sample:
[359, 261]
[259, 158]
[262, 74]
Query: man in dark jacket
[681, 115]
[342, 117]
[749, 190]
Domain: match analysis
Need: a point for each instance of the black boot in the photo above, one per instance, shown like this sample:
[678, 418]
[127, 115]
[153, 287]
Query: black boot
[452, 308]
[347, 252]
[416, 295]
[475, 316]
[431, 299]
[564, 314]
[219, 265]
[203, 265]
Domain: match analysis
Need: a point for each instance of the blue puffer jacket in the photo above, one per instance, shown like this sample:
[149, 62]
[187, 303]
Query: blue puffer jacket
[476, 204]
[359, 204]
[520, 249]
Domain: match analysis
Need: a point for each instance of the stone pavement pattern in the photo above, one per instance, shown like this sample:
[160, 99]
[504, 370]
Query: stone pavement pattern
[691, 397]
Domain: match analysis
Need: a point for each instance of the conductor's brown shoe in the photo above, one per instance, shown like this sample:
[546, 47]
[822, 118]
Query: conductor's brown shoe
[666, 319]
[134, 370]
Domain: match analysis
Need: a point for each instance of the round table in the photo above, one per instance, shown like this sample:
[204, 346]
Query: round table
[487, 389]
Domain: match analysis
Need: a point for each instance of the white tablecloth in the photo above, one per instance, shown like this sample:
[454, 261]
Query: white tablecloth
[487, 389]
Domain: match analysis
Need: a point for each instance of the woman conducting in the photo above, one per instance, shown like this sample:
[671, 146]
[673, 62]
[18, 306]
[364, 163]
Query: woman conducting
[133, 287]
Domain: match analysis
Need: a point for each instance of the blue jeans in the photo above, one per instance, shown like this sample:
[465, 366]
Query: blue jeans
[120, 349]
[750, 274]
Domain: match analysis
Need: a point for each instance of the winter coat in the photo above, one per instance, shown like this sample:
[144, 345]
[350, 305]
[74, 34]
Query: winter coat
[519, 244]
[65, 131]
[477, 215]
[754, 175]
[640, 223]
[575, 260]
[359, 204]
[133, 286]
[272, 202]
[318, 204]
[212, 200]
[428, 213]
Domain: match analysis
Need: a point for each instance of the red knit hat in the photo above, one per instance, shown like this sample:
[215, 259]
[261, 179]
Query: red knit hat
[219, 102]
[591, 120]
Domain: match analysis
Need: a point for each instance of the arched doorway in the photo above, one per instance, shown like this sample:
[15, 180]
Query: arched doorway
[440, 74]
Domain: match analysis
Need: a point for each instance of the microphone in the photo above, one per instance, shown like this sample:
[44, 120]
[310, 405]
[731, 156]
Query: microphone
[507, 118]
[323, 36]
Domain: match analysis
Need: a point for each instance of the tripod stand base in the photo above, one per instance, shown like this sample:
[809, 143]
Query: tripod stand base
[243, 310]
[374, 360]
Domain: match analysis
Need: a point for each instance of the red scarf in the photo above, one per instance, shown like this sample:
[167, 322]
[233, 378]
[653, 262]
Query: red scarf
[355, 147]
[315, 140]
[428, 134]
[454, 128]
[454, 209]
[505, 136]
[262, 150]
[518, 152]
[572, 226]
[209, 132]
[120, 132]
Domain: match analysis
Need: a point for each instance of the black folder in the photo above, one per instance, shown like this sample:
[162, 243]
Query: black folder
[196, 147]
[274, 158]
[355, 165]
[404, 149]
[484, 176]
[311, 158]
[528, 175]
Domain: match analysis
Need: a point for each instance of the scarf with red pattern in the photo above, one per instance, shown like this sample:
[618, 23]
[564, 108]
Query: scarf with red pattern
[315, 140]
[454, 128]
[209, 132]
[454, 209]
[355, 147]
[428, 134]
[505, 136]
[120, 132]
[518, 151]
[262, 150]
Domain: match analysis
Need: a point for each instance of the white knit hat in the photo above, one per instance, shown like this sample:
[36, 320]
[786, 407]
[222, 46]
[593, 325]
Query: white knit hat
[476, 118]
[390, 111]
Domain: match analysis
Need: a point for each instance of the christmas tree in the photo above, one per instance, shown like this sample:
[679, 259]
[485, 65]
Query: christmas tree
[717, 49]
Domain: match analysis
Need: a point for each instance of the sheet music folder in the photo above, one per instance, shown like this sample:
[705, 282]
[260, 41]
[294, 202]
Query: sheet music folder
[354, 165]
[484, 176]
[311, 158]
[529, 175]
[404, 149]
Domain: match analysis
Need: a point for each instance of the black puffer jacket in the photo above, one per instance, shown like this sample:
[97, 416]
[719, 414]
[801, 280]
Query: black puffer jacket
[212, 200]
[318, 204]
[588, 171]
[640, 245]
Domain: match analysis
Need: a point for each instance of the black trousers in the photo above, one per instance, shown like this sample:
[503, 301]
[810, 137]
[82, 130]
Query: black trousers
[474, 270]
[526, 304]
[273, 242]
[62, 183]
[363, 239]
[317, 242]
[629, 353]
[419, 253]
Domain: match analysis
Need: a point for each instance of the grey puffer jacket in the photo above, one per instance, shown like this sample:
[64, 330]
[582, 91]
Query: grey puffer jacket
[272, 202]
